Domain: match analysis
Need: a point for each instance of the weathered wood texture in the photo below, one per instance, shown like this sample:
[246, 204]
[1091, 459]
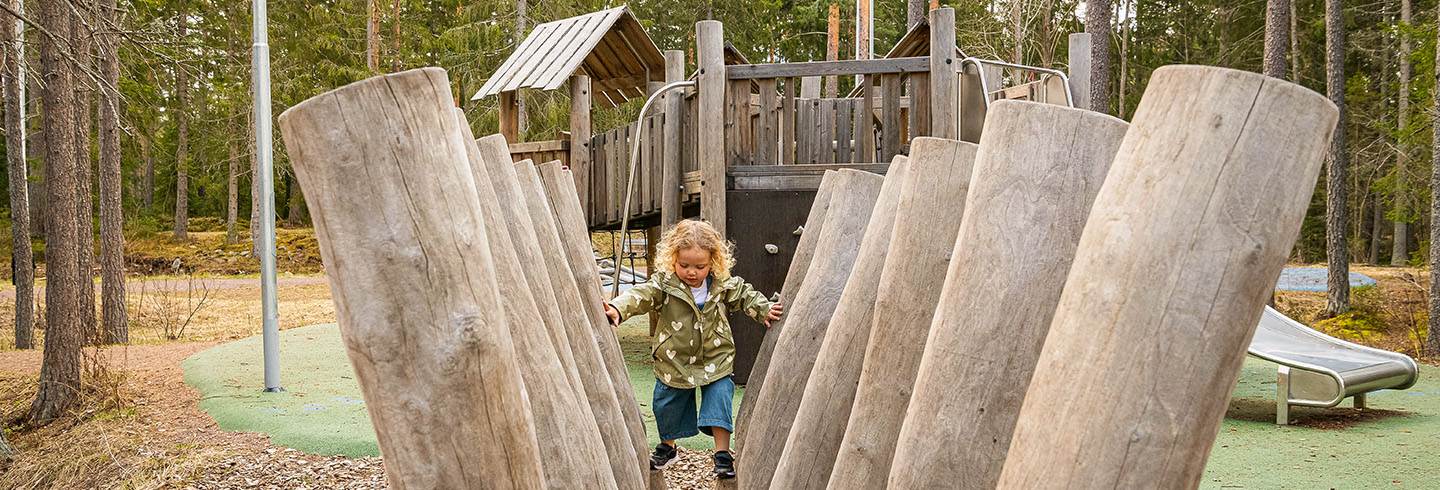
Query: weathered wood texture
[580, 149]
[794, 278]
[623, 452]
[828, 68]
[554, 398]
[819, 421]
[1079, 62]
[1040, 165]
[500, 174]
[710, 40]
[670, 194]
[1179, 255]
[926, 224]
[413, 319]
[575, 238]
[836, 253]
[944, 89]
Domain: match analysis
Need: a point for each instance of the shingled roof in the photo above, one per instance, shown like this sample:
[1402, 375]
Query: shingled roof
[610, 46]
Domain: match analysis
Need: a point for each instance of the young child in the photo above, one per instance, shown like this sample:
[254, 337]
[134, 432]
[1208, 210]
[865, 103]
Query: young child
[692, 290]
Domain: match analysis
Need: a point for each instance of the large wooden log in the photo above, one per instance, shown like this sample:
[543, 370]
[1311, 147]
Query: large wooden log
[1181, 251]
[623, 453]
[499, 166]
[794, 277]
[819, 421]
[575, 238]
[418, 324]
[573, 448]
[926, 224]
[1037, 172]
[836, 253]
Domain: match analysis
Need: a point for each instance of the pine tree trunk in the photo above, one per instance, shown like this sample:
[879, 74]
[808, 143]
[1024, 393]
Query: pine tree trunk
[395, 37]
[1377, 223]
[112, 215]
[1124, 80]
[1294, 43]
[147, 187]
[22, 257]
[35, 154]
[1337, 251]
[1277, 37]
[182, 136]
[915, 11]
[1097, 24]
[1432, 341]
[372, 36]
[522, 23]
[60, 369]
[1400, 253]
[295, 204]
[232, 196]
[84, 165]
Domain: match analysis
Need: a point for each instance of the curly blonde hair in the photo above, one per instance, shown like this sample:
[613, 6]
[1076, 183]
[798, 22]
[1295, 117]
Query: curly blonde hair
[697, 234]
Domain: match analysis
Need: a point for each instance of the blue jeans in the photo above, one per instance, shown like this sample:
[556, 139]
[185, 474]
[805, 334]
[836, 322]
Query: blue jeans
[675, 416]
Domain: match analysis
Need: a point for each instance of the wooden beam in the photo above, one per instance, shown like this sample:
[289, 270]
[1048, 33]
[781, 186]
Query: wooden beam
[538, 146]
[832, 50]
[710, 40]
[510, 116]
[1079, 62]
[670, 173]
[943, 66]
[580, 141]
[827, 68]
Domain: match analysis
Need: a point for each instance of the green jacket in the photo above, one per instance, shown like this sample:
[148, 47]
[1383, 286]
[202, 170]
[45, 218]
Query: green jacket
[692, 347]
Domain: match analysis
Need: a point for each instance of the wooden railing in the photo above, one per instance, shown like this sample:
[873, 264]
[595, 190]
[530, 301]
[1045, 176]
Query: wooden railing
[542, 151]
[610, 156]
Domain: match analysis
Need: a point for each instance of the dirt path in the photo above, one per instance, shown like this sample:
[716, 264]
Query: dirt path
[158, 438]
[172, 284]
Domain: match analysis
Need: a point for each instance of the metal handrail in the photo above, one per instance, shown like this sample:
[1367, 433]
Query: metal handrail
[985, 86]
[630, 180]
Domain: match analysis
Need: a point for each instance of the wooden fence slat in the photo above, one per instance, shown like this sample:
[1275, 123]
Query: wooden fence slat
[826, 130]
[824, 68]
[865, 123]
[844, 131]
[644, 175]
[804, 137]
[788, 118]
[890, 117]
[768, 132]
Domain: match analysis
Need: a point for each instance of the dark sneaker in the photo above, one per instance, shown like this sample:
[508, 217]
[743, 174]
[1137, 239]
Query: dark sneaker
[724, 465]
[662, 457]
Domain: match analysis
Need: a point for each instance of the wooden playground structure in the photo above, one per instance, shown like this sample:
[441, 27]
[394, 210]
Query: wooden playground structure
[1107, 275]
[762, 133]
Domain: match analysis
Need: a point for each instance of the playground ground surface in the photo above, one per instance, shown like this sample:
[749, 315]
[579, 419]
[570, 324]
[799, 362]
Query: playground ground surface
[143, 425]
[1388, 445]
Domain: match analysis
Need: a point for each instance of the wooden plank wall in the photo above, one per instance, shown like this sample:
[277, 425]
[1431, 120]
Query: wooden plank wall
[611, 153]
[784, 128]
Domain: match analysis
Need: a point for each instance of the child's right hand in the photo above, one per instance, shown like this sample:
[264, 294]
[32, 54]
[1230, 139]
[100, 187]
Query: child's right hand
[613, 314]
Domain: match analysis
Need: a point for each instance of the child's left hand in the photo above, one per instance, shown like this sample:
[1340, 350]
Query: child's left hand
[776, 310]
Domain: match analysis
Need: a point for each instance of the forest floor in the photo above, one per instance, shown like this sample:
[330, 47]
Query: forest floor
[141, 425]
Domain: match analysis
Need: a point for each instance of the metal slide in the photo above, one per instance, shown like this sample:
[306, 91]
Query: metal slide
[1317, 370]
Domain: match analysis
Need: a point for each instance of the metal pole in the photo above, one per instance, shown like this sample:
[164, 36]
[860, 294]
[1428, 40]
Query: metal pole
[260, 59]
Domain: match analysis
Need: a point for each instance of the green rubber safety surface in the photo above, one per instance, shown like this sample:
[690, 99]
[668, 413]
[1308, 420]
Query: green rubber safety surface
[1389, 445]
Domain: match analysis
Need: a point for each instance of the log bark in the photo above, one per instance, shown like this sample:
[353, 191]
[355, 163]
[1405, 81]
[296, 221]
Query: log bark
[1178, 258]
[926, 225]
[1432, 336]
[575, 237]
[114, 318]
[572, 451]
[600, 391]
[22, 258]
[1400, 249]
[836, 253]
[819, 422]
[1337, 248]
[84, 61]
[794, 278]
[1097, 24]
[401, 231]
[64, 334]
[182, 138]
[1040, 165]
[1277, 37]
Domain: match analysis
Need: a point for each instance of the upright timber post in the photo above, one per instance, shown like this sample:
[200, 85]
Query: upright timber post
[710, 140]
[670, 195]
[579, 139]
[1080, 69]
[943, 86]
[510, 116]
